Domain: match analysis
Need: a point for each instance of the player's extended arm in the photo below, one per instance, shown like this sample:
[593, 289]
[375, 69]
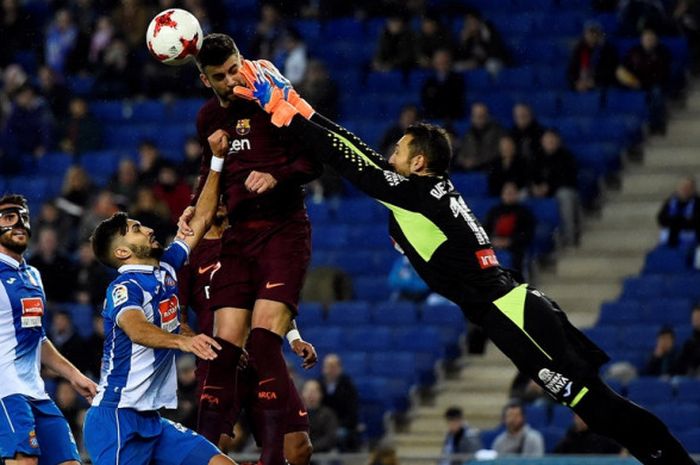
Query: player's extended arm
[143, 332]
[209, 196]
[300, 347]
[53, 359]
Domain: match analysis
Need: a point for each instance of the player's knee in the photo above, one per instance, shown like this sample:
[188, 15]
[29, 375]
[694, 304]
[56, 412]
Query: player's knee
[271, 315]
[232, 324]
[299, 451]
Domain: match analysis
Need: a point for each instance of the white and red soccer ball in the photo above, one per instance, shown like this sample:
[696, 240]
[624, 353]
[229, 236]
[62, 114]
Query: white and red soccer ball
[174, 36]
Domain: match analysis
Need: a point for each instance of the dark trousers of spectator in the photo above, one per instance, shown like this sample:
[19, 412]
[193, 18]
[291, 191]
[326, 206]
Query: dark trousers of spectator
[657, 110]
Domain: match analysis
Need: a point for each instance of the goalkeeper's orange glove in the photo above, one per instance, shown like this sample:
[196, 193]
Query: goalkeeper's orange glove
[262, 90]
[290, 95]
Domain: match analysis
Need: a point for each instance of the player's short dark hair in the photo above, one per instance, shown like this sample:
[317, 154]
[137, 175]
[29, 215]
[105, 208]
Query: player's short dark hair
[433, 142]
[666, 329]
[216, 49]
[453, 413]
[14, 199]
[103, 236]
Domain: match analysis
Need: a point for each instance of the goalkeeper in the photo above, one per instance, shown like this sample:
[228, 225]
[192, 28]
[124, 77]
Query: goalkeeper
[432, 225]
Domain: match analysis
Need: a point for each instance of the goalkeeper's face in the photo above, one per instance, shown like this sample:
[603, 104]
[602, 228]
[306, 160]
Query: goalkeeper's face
[223, 78]
[404, 160]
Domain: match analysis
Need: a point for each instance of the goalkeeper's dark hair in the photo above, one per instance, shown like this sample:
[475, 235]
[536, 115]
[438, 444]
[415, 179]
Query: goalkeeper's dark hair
[104, 235]
[216, 49]
[434, 143]
[14, 199]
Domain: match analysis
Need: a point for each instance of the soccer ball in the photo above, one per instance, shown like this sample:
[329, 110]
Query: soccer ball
[174, 36]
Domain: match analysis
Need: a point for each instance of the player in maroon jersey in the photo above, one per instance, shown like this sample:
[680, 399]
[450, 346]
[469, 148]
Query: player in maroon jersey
[194, 279]
[265, 251]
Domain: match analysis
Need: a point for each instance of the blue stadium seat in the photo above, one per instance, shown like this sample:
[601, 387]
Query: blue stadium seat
[552, 435]
[351, 313]
[367, 338]
[666, 260]
[562, 417]
[481, 206]
[343, 28]
[419, 339]
[642, 287]
[318, 213]
[55, 164]
[35, 189]
[371, 236]
[80, 85]
[691, 440]
[638, 337]
[621, 101]
[388, 81]
[551, 77]
[394, 313]
[580, 104]
[309, 29]
[329, 236]
[546, 211]
[682, 285]
[185, 110]
[471, 184]
[354, 363]
[489, 435]
[108, 110]
[393, 364]
[522, 78]
[544, 104]
[310, 315]
[478, 80]
[605, 336]
[355, 262]
[148, 111]
[371, 288]
[649, 391]
[537, 415]
[100, 165]
[688, 390]
[444, 315]
[325, 339]
[82, 319]
[619, 313]
[360, 210]
[667, 311]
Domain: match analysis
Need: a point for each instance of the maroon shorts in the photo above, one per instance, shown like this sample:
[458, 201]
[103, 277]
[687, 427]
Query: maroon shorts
[262, 260]
[297, 418]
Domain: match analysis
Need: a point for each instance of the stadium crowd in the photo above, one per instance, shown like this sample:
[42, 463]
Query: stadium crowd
[58, 58]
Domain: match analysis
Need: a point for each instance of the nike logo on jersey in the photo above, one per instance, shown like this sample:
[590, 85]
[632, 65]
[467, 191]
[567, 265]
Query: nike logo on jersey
[265, 381]
[213, 267]
[270, 285]
[11, 280]
[302, 413]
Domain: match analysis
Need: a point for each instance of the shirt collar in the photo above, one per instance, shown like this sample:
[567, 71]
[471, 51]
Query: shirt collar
[9, 260]
[136, 269]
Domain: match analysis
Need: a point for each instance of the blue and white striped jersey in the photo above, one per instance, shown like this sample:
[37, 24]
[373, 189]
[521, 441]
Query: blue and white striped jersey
[21, 333]
[134, 376]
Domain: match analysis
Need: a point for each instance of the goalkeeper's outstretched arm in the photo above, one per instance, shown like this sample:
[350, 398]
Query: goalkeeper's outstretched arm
[354, 160]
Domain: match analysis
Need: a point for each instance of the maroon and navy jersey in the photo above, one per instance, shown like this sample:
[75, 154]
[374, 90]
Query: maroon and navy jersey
[193, 280]
[256, 145]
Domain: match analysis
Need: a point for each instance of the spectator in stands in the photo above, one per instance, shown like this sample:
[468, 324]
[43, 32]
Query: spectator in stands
[526, 132]
[50, 216]
[320, 90]
[173, 191]
[54, 92]
[479, 45]
[555, 175]
[17, 31]
[686, 13]
[118, 74]
[323, 423]
[57, 270]
[689, 358]
[404, 282]
[269, 32]
[94, 345]
[92, 278]
[29, 126]
[397, 46]
[518, 438]
[80, 132]
[153, 212]
[460, 438]
[187, 399]
[480, 143]
[636, 15]
[526, 391]
[662, 361]
[134, 15]
[61, 38]
[508, 167]
[593, 62]
[76, 194]
[66, 340]
[101, 38]
[193, 158]
[647, 67]
[103, 206]
[125, 182]
[679, 217]
[150, 162]
[442, 94]
[340, 395]
[580, 439]
[293, 56]
[408, 116]
[67, 400]
[511, 226]
[431, 38]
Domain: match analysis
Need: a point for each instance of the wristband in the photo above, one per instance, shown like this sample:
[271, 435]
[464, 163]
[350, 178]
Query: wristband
[293, 335]
[217, 164]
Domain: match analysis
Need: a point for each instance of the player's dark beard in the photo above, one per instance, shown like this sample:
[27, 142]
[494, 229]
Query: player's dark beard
[7, 242]
[146, 251]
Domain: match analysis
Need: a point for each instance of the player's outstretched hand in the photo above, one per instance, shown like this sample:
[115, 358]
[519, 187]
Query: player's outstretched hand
[84, 386]
[183, 223]
[201, 345]
[306, 351]
[260, 182]
[260, 88]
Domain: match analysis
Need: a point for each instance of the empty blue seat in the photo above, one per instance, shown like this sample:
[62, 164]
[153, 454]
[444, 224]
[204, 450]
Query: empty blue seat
[621, 101]
[35, 189]
[537, 415]
[310, 314]
[325, 339]
[318, 213]
[444, 315]
[367, 338]
[354, 363]
[580, 104]
[642, 287]
[351, 313]
[149, 111]
[419, 339]
[682, 285]
[393, 364]
[388, 81]
[329, 236]
[619, 313]
[605, 336]
[649, 391]
[477, 80]
[688, 390]
[551, 77]
[80, 85]
[562, 417]
[108, 110]
[371, 236]
[666, 260]
[489, 435]
[355, 262]
[100, 165]
[546, 210]
[82, 319]
[471, 184]
[691, 440]
[394, 313]
[521, 78]
[371, 288]
[667, 311]
[678, 416]
[55, 164]
[552, 435]
[185, 110]
[343, 28]
[360, 210]
[544, 104]
[638, 337]
[310, 30]
[481, 206]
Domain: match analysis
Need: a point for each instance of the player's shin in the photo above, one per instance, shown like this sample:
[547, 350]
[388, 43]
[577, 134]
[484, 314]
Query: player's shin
[272, 392]
[219, 391]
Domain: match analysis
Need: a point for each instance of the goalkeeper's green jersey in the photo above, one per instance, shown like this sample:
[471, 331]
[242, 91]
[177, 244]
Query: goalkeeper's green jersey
[429, 221]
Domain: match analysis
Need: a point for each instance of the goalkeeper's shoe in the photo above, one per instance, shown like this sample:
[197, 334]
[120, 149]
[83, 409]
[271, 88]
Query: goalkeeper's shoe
[290, 95]
[261, 89]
